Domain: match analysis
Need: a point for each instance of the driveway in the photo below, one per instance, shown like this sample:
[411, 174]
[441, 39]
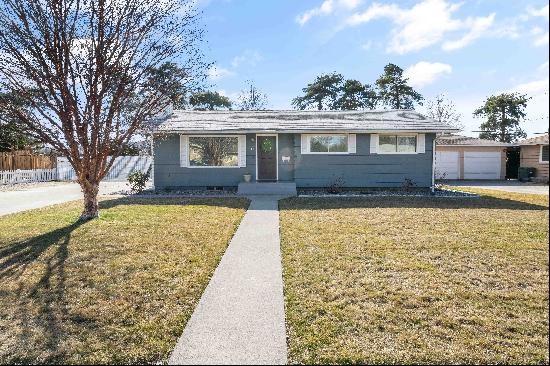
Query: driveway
[42, 195]
[503, 185]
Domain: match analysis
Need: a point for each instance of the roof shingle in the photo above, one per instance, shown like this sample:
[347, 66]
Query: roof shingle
[181, 121]
[538, 140]
[459, 140]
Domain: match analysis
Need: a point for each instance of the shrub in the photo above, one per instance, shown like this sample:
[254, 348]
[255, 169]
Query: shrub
[408, 184]
[137, 180]
[336, 185]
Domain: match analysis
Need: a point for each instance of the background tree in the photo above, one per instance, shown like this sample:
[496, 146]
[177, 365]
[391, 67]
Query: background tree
[91, 64]
[356, 95]
[503, 114]
[13, 135]
[321, 94]
[442, 109]
[251, 98]
[393, 90]
[210, 101]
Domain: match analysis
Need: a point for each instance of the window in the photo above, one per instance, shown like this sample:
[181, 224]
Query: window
[210, 151]
[544, 154]
[328, 143]
[393, 144]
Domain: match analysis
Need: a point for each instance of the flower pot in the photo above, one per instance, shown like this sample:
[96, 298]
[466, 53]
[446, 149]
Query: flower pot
[247, 177]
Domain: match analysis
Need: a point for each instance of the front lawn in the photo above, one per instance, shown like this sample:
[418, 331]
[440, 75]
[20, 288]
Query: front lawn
[416, 280]
[119, 289]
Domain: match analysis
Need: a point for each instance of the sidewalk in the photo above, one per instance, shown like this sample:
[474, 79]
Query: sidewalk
[240, 318]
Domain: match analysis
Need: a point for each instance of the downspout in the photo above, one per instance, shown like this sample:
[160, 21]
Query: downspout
[433, 165]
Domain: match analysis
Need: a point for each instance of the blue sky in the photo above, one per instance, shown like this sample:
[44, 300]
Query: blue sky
[467, 50]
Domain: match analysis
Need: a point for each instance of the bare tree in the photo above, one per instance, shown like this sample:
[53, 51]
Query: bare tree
[443, 110]
[89, 63]
[252, 98]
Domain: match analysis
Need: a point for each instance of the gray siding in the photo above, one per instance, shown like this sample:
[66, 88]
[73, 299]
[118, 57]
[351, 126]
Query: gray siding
[357, 170]
[363, 169]
[169, 174]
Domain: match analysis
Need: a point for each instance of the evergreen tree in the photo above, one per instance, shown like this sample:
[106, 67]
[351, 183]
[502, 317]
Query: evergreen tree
[321, 94]
[503, 114]
[209, 101]
[393, 90]
[356, 95]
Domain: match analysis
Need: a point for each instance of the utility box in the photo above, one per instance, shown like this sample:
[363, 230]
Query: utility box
[525, 174]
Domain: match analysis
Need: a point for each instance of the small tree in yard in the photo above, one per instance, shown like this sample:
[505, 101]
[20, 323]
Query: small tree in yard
[503, 114]
[94, 68]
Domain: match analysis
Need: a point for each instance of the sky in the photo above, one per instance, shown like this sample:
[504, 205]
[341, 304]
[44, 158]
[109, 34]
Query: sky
[467, 50]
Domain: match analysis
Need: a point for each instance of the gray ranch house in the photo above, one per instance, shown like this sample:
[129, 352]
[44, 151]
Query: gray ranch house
[205, 149]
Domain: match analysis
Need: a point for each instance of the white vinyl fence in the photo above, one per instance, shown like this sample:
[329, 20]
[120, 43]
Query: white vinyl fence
[26, 176]
[122, 166]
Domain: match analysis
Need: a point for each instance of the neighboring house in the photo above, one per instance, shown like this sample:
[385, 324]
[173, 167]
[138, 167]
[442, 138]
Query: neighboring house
[305, 148]
[462, 157]
[534, 154]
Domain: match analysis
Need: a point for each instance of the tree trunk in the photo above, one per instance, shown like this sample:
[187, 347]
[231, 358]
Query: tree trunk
[91, 209]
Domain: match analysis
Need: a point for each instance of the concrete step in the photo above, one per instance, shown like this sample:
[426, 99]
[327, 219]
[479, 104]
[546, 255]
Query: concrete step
[267, 188]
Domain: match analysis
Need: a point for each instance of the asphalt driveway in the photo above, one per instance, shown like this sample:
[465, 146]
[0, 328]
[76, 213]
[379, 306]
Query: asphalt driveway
[42, 195]
[503, 185]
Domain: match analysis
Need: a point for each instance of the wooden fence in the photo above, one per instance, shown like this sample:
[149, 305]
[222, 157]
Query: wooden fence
[26, 160]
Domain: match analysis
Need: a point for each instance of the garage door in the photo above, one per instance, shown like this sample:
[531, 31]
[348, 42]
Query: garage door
[482, 165]
[446, 165]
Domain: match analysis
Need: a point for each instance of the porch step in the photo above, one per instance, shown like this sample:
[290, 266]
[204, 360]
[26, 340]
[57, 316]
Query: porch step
[267, 188]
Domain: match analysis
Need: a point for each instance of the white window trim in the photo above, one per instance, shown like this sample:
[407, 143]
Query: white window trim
[276, 152]
[415, 135]
[308, 144]
[212, 166]
[540, 155]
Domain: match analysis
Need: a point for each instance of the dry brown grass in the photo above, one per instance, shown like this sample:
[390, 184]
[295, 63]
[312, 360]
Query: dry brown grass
[416, 280]
[114, 290]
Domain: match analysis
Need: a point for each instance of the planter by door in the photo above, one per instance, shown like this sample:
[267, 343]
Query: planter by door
[266, 149]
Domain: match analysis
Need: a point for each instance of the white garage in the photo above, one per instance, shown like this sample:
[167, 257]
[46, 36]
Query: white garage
[482, 165]
[463, 157]
[447, 165]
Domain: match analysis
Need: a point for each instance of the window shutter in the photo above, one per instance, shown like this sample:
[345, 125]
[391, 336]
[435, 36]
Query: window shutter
[374, 143]
[421, 143]
[242, 151]
[352, 145]
[184, 151]
[304, 144]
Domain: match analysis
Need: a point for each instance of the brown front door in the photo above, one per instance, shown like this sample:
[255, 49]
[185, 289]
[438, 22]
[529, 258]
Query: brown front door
[266, 148]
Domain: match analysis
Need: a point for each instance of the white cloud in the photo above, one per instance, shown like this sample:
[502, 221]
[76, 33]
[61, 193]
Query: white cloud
[424, 73]
[425, 24]
[367, 45]
[542, 12]
[477, 26]
[250, 58]
[218, 73]
[532, 88]
[540, 36]
[327, 7]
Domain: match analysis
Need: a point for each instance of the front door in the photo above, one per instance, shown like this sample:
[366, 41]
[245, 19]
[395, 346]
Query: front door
[266, 148]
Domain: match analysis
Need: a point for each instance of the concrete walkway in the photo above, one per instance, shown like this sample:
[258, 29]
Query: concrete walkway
[513, 186]
[240, 318]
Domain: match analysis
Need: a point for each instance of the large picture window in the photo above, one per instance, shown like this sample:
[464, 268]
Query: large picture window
[394, 144]
[210, 151]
